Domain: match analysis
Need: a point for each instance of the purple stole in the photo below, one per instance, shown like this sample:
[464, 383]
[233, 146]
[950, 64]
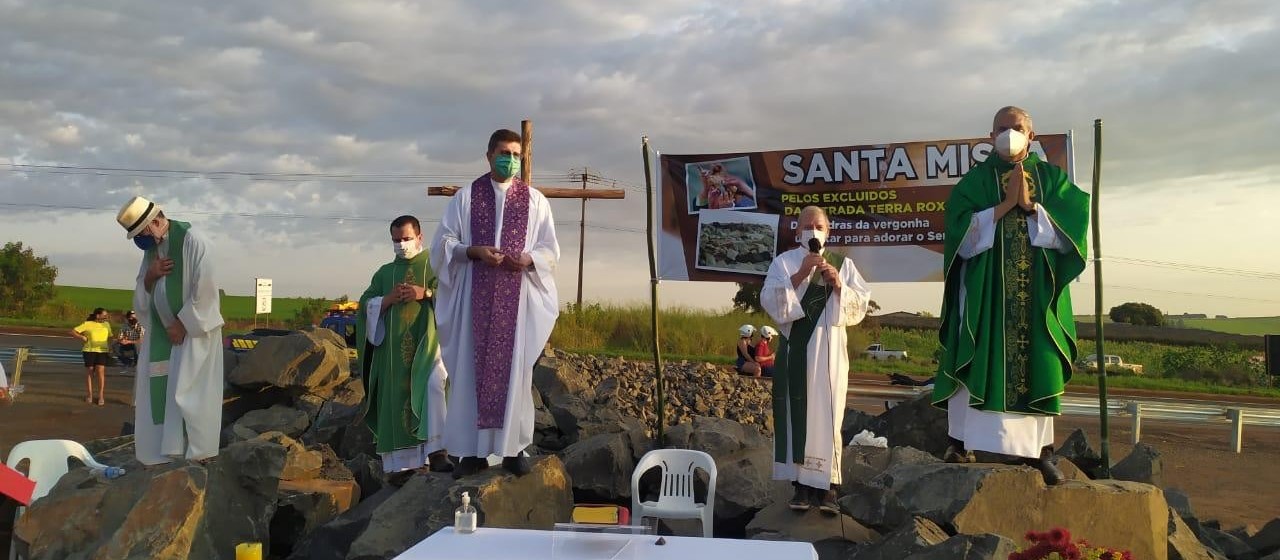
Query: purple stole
[495, 296]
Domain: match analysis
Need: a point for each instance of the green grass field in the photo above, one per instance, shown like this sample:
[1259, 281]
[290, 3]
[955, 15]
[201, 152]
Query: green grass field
[1237, 325]
[1232, 325]
[78, 301]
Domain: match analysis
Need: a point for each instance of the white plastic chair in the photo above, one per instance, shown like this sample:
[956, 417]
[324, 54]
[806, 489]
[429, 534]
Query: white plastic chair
[675, 498]
[47, 462]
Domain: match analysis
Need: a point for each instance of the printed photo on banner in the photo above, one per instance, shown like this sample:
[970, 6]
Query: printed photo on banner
[731, 241]
[725, 184]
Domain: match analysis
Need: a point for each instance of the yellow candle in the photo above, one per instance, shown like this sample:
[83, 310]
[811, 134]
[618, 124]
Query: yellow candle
[249, 551]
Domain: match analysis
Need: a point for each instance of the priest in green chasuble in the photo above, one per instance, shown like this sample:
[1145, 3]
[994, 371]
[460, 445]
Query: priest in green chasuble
[404, 376]
[1015, 239]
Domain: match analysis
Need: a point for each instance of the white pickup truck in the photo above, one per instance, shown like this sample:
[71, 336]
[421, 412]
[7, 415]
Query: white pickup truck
[1090, 363]
[877, 352]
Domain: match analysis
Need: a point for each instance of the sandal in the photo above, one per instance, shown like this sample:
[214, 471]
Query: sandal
[88, 400]
[102, 401]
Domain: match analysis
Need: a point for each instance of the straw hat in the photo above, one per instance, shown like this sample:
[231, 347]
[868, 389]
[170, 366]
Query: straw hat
[136, 214]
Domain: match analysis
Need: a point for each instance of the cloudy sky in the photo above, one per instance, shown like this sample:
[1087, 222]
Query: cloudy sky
[334, 116]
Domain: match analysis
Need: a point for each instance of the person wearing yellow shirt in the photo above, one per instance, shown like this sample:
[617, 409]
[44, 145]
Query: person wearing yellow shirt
[96, 334]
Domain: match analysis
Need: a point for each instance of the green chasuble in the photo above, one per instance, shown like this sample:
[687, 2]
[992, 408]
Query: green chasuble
[396, 371]
[790, 382]
[1013, 342]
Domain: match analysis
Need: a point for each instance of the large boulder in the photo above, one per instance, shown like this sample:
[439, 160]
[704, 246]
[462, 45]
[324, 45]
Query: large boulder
[279, 418]
[915, 423]
[400, 518]
[1267, 539]
[305, 505]
[304, 362]
[1011, 500]
[777, 522]
[1183, 544]
[299, 463]
[968, 547]
[177, 510]
[917, 535]
[1141, 465]
[600, 467]
[1076, 448]
[744, 465]
[342, 408]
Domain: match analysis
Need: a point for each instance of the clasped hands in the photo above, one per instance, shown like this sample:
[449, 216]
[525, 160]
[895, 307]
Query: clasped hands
[494, 257]
[814, 261]
[406, 292]
[1016, 192]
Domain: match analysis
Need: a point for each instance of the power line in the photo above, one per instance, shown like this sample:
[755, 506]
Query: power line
[1197, 294]
[286, 216]
[1196, 268]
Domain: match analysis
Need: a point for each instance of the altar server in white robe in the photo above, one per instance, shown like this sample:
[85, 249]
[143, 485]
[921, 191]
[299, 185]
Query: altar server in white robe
[178, 386]
[813, 295]
[495, 254]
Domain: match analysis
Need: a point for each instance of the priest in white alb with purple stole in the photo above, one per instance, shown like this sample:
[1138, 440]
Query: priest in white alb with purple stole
[495, 254]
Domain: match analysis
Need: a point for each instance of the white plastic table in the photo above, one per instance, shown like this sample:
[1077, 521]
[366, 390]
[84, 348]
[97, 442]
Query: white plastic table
[489, 543]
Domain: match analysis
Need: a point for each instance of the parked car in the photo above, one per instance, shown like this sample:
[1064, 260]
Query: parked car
[1113, 362]
[877, 352]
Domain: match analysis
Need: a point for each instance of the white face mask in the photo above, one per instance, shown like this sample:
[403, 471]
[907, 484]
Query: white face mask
[807, 234]
[1011, 143]
[407, 249]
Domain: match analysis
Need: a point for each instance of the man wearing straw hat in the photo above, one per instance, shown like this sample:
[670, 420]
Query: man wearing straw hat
[178, 386]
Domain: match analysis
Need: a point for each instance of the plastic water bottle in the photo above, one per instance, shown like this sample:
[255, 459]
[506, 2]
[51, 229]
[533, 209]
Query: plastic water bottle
[464, 518]
[108, 473]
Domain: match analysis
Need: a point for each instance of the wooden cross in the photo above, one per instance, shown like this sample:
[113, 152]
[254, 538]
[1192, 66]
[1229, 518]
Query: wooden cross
[583, 194]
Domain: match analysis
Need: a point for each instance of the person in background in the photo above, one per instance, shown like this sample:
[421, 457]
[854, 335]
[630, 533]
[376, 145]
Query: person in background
[764, 354]
[746, 351]
[129, 339]
[95, 333]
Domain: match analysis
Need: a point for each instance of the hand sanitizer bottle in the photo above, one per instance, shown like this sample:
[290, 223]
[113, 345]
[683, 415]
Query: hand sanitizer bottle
[464, 518]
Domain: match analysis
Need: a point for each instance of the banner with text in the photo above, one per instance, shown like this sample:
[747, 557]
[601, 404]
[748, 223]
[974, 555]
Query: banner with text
[723, 217]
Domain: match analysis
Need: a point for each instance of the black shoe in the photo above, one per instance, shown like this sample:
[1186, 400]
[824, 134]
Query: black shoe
[518, 465]
[958, 455]
[1047, 464]
[439, 462]
[469, 466]
[827, 503]
[800, 500]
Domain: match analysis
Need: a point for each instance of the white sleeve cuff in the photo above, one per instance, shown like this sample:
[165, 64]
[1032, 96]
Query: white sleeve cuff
[375, 331]
[1042, 232]
[980, 236]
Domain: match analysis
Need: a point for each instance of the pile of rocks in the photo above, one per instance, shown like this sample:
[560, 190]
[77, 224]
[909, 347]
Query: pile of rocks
[298, 472]
[691, 389]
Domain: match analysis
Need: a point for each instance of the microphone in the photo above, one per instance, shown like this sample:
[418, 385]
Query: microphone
[815, 247]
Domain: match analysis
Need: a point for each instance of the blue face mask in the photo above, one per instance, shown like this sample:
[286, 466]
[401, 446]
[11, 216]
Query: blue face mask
[507, 165]
[144, 242]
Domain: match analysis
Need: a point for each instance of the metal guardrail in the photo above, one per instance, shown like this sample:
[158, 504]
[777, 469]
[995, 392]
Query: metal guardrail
[46, 355]
[1136, 410]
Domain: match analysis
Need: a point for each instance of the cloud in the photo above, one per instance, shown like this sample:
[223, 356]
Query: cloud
[384, 88]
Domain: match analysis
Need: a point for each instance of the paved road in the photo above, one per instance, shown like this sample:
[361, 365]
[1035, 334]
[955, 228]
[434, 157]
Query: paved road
[13, 340]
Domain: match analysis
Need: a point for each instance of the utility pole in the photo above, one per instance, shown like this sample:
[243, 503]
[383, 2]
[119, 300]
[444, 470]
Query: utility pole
[582, 238]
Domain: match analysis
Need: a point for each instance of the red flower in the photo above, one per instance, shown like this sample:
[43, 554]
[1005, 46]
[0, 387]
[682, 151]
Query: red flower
[1059, 536]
